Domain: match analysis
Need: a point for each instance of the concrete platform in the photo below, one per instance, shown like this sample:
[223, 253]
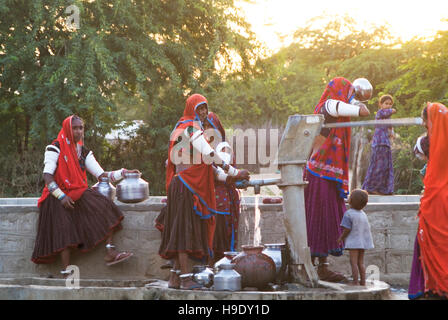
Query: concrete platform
[35, 288]
[152, 289]
[374, 290]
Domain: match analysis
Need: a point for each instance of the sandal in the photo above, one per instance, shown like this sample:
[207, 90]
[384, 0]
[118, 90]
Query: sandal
[65, 273]
[119, 256]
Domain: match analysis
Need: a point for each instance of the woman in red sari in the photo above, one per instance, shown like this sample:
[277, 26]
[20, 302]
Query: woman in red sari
[73, 216]
[432, 232]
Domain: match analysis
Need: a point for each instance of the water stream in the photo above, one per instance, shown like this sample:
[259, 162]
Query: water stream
[257, 218]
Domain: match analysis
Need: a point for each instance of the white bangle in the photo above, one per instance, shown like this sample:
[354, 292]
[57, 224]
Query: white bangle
[232, 171]
[58, 194]
[116, 175]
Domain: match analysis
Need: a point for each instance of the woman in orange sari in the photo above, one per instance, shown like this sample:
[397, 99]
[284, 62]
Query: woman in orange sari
[432, 233]
[188, 224]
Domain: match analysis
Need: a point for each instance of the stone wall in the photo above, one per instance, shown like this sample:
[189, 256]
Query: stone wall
[18, 226]
[393, 226]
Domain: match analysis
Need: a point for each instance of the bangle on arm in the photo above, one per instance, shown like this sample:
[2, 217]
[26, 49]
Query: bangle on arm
[116, 175]
[55, 190]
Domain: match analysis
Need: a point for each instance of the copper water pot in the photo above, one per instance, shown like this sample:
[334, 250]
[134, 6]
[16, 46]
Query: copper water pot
[256, 268]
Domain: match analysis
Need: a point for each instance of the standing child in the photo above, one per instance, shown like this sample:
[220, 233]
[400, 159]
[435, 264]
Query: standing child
[356, 234]
[380, 174]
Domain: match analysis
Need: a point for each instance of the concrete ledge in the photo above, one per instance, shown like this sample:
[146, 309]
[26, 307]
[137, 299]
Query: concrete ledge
[376, 290]
[152, 289]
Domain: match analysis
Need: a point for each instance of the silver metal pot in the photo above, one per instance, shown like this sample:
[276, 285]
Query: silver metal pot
[227, 279]
[277, 252]
[105, 188]
[363, 89]
[203, 275]
[228, 257]
[132, 189]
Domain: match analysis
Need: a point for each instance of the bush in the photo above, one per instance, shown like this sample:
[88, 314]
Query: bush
[22, 174]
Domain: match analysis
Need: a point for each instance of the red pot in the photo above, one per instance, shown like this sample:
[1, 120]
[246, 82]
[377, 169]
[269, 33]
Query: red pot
[256, 268]
[272, 200]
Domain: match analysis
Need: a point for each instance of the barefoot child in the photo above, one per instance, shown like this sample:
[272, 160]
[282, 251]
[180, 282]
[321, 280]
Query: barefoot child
[356, 234]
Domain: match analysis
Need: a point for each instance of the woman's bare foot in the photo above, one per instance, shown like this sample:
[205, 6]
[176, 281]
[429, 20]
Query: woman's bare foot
[353, 283]
[174, 280]
[326, 274]
[187, 283]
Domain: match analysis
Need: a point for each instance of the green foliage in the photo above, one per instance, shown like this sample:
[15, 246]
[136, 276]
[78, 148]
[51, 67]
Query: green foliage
[141, 59]
[127, 58]
[22, 175]
[292, 80]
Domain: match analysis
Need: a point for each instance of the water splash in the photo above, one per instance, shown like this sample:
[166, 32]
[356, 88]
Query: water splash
[257, 218]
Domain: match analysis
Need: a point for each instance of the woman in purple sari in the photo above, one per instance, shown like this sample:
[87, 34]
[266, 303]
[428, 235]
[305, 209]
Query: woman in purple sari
[380, 174]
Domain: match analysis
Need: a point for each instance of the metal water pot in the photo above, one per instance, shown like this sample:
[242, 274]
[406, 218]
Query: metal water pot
[276, 252]
[132, 189]
[363, 89]
[228, 257]
[203, 275]
[105, 188]
[227, 279]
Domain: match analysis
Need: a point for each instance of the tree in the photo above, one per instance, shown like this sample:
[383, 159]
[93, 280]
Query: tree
[148, 53]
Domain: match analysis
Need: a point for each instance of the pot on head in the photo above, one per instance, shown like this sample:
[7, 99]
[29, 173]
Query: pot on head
[363, 89]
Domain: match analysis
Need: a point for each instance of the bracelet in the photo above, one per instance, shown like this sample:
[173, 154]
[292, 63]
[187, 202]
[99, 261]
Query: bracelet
[116, 175]
[232, 171]
[58, 193]
[52, 186]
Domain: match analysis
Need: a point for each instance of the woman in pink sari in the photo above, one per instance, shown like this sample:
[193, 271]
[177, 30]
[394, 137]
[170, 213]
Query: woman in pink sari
[327, 174]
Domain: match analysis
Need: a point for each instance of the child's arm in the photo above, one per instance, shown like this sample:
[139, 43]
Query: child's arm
[385, 113]
[344, 235]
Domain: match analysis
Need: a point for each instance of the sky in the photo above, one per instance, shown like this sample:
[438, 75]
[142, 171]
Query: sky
[405, 18]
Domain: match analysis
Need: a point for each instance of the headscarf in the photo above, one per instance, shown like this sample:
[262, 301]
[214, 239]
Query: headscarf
[69, 176]
[331, 160]
[433, 222]
[199, 178]
[214, 121]
[189, 119]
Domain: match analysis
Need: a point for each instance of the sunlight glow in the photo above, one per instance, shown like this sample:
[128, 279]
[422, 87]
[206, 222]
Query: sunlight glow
[274, 21]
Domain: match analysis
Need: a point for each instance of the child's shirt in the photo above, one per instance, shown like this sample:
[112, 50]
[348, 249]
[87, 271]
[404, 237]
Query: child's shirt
[360, 236]
[381, 135]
